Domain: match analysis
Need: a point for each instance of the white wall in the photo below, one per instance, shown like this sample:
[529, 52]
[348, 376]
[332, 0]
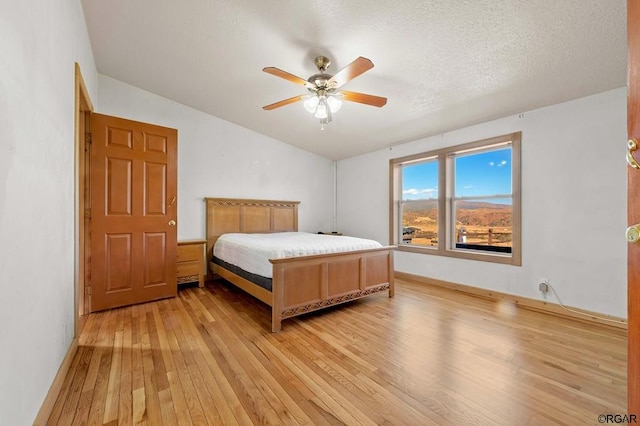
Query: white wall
[573, 200]
[39, 43]
[573, 191]
[219, 159]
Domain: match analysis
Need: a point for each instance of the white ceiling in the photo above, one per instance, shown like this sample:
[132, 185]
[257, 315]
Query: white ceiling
[442, 65]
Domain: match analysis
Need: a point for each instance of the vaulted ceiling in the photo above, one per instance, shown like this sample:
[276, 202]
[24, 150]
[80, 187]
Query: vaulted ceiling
[442, 65]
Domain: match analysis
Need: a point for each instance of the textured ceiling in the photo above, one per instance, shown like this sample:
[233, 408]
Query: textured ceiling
[442, 64]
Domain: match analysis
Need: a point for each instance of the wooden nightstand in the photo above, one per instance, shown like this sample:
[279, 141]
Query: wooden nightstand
[191, 264]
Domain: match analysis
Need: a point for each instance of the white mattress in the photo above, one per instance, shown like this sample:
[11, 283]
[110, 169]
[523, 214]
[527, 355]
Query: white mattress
[252, 252]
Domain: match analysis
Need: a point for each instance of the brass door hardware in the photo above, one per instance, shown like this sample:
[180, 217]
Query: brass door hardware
[633, 233]
[632, 145]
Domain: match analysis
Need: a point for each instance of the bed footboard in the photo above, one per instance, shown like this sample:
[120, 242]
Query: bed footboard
[308, 283]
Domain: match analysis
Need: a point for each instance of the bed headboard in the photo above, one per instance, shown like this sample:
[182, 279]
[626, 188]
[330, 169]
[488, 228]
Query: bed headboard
[242, 215]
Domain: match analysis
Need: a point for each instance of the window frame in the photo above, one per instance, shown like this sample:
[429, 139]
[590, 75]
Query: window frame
[446, 180]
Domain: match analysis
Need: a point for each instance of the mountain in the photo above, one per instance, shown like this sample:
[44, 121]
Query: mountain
[423, 205]
[469, 213]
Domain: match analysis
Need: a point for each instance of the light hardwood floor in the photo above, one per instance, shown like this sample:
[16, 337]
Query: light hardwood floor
[426, 356]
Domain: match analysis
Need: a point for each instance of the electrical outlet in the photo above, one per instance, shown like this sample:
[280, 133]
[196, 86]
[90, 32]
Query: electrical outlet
[543, 285]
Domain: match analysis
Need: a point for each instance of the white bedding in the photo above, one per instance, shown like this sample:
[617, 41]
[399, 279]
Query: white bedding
[252, 252]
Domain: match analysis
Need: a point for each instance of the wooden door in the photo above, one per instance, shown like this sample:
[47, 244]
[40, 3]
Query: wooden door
[133, 212]
[633, 205]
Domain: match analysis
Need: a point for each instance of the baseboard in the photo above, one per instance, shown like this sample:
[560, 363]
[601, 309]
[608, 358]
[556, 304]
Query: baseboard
[523, 302]
[56, 386]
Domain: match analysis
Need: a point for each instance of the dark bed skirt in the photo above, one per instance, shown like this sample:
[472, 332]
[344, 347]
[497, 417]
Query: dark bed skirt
[263, 282]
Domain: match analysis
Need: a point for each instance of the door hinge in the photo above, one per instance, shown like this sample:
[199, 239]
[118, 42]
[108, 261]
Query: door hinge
[87, 213]
[87, 289]
[88, 138]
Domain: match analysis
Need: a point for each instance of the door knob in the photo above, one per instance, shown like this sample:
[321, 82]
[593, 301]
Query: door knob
[632, 145]
[172, 222]
[633, 233]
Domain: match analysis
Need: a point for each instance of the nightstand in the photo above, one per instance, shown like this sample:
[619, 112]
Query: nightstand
[191, 264]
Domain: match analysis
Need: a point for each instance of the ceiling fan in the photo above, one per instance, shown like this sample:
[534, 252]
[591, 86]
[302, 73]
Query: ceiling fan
[325, 98]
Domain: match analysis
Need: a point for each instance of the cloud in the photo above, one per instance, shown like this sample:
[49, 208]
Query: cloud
[502, 163]
[418, 192]
[491, 163]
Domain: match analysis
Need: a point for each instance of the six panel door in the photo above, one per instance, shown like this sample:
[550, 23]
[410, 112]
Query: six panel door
[133, 212]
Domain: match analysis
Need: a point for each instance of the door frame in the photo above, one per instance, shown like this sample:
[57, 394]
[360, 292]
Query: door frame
[633, 210]
[83, 110]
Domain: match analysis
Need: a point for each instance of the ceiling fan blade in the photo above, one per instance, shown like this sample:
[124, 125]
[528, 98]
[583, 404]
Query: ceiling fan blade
[287, 76]
[284, 102]
[351, 71]
[363, 98]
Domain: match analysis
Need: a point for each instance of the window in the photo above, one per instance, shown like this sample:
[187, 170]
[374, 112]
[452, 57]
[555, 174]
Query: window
[462, 201]
[419, 203]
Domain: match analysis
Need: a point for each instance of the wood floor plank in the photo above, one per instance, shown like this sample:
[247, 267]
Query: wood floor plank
[150, 366]
[228, 401]
[224, 336]
[68, 401]
[324, 393]
[195, 411]
[65, 406]
[88, 340]
[188, 341]
[103, 365]
[125, 400]
[167, 411]
[427, 356]
[138, 402]
[176, 393]
[113, 388]
[375, 399]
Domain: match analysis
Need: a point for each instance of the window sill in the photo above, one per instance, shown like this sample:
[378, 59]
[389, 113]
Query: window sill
[503, 258]
[484, 248]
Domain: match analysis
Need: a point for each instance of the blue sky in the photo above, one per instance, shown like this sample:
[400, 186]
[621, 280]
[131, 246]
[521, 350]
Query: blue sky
[486, 173]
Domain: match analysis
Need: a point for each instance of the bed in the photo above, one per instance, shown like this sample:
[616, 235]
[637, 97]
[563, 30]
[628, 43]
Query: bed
[299, 284]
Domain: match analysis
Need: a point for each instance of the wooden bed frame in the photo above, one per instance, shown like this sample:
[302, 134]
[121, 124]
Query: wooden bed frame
[299, 284]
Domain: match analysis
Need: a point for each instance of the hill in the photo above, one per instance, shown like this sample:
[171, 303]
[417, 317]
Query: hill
[469, 213]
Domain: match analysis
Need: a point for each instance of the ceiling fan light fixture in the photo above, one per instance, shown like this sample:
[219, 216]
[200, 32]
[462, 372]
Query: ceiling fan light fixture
[324, 98]
[311, 104]
[334, 103]
[320, 105]
[322, 111]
